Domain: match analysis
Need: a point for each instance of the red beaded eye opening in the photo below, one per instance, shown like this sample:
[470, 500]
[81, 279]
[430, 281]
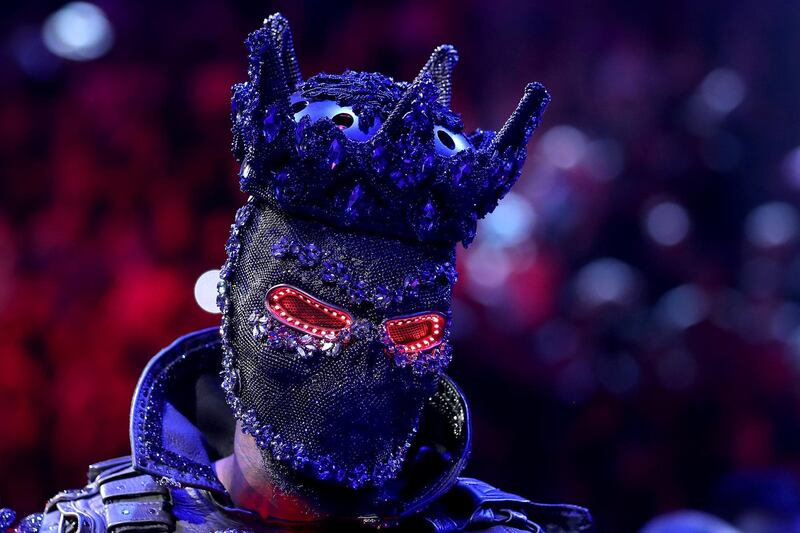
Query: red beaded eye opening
[299, 310]
[416, 333]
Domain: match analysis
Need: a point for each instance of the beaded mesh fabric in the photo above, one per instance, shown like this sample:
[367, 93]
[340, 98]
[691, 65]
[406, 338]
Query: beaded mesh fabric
[337, 289]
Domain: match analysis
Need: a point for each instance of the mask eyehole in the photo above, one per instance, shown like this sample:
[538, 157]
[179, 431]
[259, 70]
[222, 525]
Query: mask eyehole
[446, 139]
[448, 143]
[299, 106]
[418, 332]
[343, 120]
[303, 312]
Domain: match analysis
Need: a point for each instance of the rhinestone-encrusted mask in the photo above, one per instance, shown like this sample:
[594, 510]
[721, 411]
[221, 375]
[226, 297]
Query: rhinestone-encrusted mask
[336, 293]
[334, 341]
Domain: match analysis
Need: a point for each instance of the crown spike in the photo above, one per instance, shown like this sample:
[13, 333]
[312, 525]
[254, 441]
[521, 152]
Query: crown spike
[520, 125]
[440, 66]
[273, 65]
[415, 92]
[282, 33]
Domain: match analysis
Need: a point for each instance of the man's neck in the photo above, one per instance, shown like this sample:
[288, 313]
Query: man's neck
[248, 483]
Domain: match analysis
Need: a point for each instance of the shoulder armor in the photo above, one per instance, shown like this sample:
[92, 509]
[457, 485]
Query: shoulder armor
[473, 505]
[118, 499]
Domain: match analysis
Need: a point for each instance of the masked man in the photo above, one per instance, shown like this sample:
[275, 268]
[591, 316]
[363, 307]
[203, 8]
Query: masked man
[321, 403]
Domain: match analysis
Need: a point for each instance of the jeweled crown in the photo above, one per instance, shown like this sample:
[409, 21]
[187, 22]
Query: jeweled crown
[363, 151]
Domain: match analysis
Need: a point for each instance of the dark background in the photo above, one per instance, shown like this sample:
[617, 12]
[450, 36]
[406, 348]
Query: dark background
[628, 322]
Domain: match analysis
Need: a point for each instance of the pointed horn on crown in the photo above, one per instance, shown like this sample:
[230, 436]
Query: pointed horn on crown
[520, 125]
[273, 63]
[283, 37]
[440, 66]
[420, 90]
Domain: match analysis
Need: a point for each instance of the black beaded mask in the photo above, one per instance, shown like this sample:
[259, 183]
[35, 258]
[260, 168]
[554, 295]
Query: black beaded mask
[321, 373]
[337, 290]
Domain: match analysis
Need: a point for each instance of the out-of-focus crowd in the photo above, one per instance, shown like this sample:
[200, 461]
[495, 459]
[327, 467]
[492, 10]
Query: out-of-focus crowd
[627, 321]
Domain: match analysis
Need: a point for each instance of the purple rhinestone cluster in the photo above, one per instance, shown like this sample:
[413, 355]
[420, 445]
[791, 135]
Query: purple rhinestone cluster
[434, 360]
[30, 524]
[7, 518]
[396, 176]
[308, 255]
[336, 272]
[318, 467]
[278, 336]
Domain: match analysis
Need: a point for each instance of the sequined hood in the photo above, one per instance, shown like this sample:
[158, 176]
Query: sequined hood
[180, 424]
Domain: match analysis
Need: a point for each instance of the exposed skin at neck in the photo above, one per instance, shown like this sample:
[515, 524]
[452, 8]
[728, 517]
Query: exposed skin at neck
[248, 483]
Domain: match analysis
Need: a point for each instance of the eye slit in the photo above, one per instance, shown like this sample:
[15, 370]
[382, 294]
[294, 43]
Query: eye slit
[418, 332]
[343, 120]
[299, 106]
[302, 311]
[446, 139]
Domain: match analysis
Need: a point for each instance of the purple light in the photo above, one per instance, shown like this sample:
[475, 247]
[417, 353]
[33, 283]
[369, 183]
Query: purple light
[79, 31]
[667, 223]
[771, 225]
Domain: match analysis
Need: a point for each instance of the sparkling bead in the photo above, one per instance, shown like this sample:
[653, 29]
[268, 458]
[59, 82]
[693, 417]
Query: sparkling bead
[343, 336]
[283, 188]
[411, 286]
[309, 255]
[344, 280]
[427, 274]
[300, 132]
[461, 173]
[245, 174]
[428, 217]
[337, 270]
[281, 248]
[335, 153]
[400, 179]
[226, 270]
[380, 157]
[359, 476]
[428, 163]
[232, 246]
[7, 517]
[328, 272]
[417, 117]
[350, 210]
[303, 351]
[324, 467]
[382, 297]
[31, 524]
[275, 340]
[361, 328]
[243, 214]
[271, 126]
[356, 292]
[447, 272]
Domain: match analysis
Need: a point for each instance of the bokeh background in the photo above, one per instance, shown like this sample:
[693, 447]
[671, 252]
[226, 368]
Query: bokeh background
[628, 321]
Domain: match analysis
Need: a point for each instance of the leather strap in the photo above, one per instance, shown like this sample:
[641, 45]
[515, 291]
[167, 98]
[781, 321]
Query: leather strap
[133, 501]
[132, 487]
[139, 515]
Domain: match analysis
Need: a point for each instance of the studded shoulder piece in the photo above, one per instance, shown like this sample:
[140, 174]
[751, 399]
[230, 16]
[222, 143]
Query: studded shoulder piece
[118, 499]
[473, 505]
